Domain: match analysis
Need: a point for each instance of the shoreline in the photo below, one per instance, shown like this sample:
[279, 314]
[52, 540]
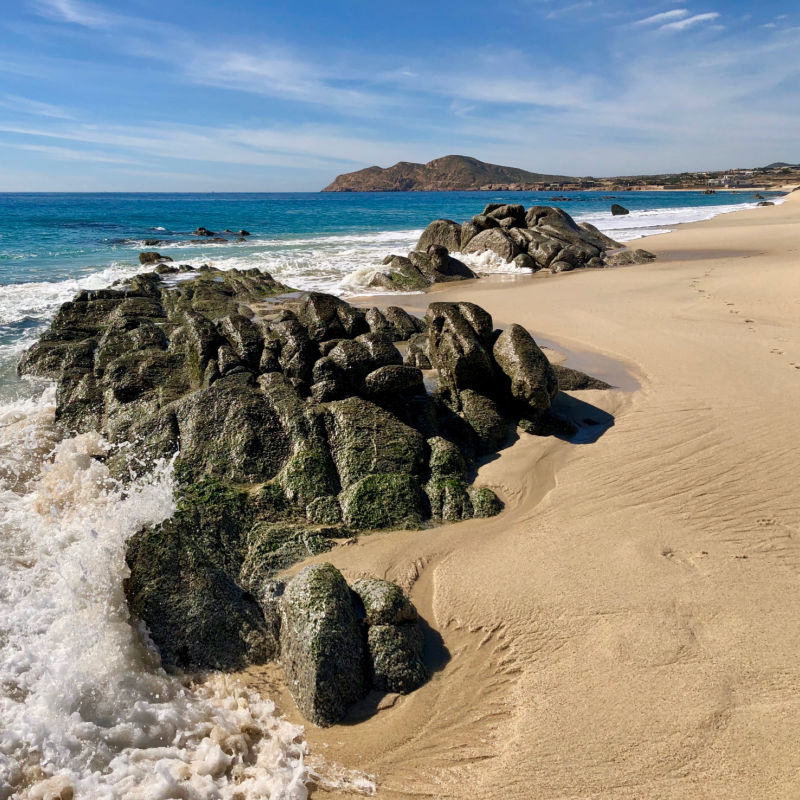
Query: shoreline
[607, 631]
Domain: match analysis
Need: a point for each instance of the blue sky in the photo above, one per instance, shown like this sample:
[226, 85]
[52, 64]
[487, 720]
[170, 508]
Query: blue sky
[171, 95]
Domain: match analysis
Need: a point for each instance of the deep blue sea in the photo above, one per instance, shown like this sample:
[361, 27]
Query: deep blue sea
[86, 709]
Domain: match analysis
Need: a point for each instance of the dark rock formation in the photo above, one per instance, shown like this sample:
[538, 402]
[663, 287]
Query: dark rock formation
[542, 237]
[151, 257]
[422, 268]
[293, 415]
[622, 258]
[617, 210]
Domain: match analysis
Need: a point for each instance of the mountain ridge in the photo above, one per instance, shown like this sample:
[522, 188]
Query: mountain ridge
[448, 173]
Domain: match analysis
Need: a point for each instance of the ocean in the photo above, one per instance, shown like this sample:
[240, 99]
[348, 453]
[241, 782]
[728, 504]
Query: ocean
[84, 703]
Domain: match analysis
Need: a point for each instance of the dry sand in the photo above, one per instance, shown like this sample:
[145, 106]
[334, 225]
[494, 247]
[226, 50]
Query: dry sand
[629, 627]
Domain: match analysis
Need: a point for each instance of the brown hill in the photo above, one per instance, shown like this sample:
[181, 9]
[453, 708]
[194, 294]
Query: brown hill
[450, 173]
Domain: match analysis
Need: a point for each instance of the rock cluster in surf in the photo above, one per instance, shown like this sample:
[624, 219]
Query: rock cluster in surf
[539, 238]
[299, 420]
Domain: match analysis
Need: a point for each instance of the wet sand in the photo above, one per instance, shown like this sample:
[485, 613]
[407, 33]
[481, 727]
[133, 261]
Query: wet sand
[628, 626]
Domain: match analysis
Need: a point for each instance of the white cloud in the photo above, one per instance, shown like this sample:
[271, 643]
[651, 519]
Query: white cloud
[690, 22]
[78, 13]
[664, 16]
[25, 105]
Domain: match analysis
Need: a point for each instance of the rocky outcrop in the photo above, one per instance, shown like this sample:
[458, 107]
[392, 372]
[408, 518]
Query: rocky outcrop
[425, 267]
[294, 421]
[622, 258]
[617, 210]
[450, 173]
[539, 238]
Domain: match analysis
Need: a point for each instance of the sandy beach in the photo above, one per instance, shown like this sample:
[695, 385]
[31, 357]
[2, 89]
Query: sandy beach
[627, 628]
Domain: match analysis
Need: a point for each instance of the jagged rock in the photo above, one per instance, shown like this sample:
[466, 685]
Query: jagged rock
[443, 232]
[151, 257]
[367, 440]
[201, 231]
[183, 583]
[401, 276]
[405, 325]
[617, 210]
[496, 240]
[532, 380]
[516, 213]
[457, 346]
[322, 650]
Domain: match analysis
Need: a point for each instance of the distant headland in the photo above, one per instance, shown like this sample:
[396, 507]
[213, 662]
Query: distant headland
[462, 173]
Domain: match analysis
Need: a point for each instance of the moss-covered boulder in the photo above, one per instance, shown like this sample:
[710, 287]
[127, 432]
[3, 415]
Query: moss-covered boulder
[530, 376]
[388, 500]
[322, 646]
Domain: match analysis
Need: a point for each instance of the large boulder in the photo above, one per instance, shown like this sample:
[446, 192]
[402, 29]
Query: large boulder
[443, 232]
[496, 240]
[617, 210]
[459, 336]
[183, 583]
[322, 648]
[530, 375]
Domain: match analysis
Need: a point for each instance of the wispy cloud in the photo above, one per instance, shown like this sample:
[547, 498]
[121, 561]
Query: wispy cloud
[70, 154]
[664, 16]
[690, 22]
[78, 13]
[37, 108]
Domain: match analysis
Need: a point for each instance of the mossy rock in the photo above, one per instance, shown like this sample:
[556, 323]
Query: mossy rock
[384, 602]
[449, 498]
[183, 582]
[485, 502]
[396, 655]
[385, 501]
[322, 646]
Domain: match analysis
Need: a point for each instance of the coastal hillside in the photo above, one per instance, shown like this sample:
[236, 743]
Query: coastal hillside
[450, 173]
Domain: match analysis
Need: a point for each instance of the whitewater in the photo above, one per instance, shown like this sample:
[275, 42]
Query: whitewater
[85, 708]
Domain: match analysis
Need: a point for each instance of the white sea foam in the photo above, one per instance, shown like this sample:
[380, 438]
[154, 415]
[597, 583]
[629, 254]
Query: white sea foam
[638, 224]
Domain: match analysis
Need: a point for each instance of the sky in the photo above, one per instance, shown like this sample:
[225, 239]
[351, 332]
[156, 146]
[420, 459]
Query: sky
[277, 95]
